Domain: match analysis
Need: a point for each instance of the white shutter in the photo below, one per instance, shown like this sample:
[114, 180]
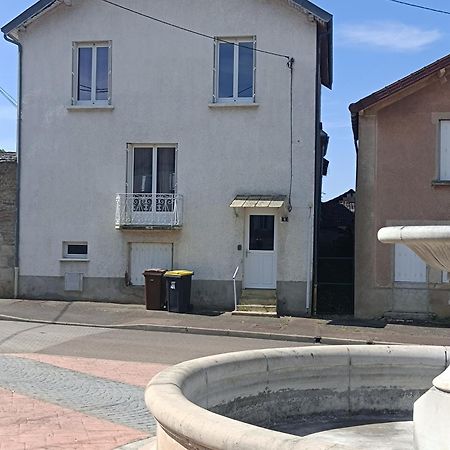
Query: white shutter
[74, 71]
[444, 172]
[148, 256]
[408, 266]
[215, 71]
[254, 69]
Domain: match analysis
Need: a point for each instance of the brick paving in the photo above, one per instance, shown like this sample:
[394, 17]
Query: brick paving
[135, 373]
[57, 402]
[105, 399]
[27, 423]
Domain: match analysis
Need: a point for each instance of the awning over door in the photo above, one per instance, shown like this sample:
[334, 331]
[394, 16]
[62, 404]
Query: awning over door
[258, 201]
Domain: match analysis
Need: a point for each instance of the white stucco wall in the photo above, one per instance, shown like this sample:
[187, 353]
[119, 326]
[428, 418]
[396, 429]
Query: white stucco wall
[74, 162]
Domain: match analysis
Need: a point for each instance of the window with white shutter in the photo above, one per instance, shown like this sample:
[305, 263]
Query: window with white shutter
[408, 266]
[444, 150]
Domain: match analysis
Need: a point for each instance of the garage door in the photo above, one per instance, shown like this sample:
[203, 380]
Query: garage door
[148, 256]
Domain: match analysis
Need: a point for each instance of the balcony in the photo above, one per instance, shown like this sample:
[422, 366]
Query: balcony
[149, 211]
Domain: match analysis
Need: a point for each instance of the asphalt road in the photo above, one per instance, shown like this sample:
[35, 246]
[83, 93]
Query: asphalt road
[122, 345]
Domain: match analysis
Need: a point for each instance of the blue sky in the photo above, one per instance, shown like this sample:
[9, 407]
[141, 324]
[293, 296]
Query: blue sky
[376, 42]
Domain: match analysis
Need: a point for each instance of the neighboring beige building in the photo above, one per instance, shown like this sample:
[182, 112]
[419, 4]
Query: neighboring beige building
[403, 178]
[152, 146]
[7, 222]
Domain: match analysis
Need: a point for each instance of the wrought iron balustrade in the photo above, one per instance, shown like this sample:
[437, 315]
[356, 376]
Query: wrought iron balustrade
[148, 210]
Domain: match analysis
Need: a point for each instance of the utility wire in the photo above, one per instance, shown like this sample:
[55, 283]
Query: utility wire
[290, 65]
[188, 30]
[8, 97]
[413, 5]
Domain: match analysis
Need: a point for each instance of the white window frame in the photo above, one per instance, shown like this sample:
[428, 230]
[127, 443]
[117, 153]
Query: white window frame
[67, 255]
[93, 45]
[155, 148]
[235, 41]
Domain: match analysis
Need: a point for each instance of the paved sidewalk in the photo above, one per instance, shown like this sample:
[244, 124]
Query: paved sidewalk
[49, 401]
[327, 331]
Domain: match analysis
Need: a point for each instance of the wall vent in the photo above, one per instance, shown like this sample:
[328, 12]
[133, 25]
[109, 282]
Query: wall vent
[73, 281]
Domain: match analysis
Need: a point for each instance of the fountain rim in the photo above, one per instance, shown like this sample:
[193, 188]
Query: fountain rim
[193, 426]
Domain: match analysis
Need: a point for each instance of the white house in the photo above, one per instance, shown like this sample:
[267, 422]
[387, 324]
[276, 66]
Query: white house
[170, 133]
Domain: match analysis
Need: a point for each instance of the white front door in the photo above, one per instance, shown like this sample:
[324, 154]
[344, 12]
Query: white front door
[260, 264]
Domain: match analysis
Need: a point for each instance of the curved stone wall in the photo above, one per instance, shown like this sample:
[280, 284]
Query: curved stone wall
[221, 402]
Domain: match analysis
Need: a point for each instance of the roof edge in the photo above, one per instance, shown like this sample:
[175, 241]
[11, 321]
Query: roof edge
[325, 20]
[400, 85]
[28, 14]
[315, 10]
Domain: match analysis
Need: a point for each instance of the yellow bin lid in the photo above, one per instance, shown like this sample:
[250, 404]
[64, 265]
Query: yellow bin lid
[178, 273]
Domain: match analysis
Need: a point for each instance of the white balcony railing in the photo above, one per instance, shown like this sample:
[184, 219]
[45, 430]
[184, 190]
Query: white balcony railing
[149, 210]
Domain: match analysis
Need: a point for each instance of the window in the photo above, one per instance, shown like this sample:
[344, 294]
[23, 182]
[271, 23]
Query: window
[154, 170]
[153, 178]
[75, 250]
[408, 266]
[444, 151]
[91, 73]
[234, 70]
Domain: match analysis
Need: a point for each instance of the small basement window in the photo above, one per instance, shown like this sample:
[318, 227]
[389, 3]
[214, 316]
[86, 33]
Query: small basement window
[75, 250]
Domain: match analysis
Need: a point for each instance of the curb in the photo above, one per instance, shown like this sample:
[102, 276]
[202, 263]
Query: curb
[213, 332]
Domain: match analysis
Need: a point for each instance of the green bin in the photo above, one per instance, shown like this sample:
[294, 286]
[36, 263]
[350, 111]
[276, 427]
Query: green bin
[178, 290]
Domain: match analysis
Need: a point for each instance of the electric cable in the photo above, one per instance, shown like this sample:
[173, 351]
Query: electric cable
[414, 5]
[8, 97]
[290, 65]
[188, 30]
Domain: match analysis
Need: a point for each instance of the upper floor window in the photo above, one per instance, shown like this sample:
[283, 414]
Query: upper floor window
[91, 73]
[234, 70]
[444, 150]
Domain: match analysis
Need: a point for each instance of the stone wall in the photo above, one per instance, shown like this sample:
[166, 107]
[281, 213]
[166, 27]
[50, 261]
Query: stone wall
[7, 222]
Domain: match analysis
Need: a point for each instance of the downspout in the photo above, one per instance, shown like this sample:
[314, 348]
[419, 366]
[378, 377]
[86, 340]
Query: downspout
[317, 182]
[18, 153]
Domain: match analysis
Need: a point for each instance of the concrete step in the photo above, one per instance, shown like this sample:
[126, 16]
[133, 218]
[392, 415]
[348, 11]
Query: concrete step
[254, 313]
[257, 308]
[258, 297]
[259, 293]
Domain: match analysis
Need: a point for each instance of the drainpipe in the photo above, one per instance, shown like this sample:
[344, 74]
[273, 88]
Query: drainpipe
[317, 181]
[18, 153]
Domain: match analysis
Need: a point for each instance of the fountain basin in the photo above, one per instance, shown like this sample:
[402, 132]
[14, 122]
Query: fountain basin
[238, 400]
[431, 243]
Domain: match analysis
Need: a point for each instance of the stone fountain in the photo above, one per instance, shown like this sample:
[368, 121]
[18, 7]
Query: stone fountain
[432, 410]
[316, 398]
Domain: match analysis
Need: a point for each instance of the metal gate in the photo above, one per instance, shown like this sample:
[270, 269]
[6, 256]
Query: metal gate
[335, 286]
[148, 256]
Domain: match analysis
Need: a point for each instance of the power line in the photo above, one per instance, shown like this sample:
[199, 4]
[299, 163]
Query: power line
[188, 30]
[8, 97]
[413, 5]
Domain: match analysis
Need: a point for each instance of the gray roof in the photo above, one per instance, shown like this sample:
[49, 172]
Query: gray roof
[27, 15]
[325, 30]
[6, 157]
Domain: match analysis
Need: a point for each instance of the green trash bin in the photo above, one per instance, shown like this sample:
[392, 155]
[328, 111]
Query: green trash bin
[178, 290]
